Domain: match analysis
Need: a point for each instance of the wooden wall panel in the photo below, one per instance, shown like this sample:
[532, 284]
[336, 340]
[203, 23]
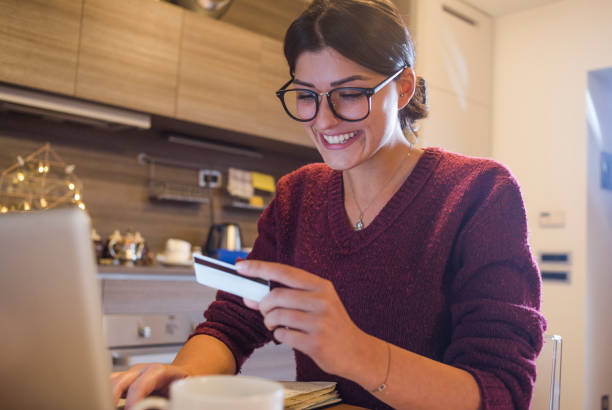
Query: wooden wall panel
[129, 54]
[115, 185]
[38, 43]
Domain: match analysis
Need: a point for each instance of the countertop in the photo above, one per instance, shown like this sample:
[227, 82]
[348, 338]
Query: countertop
[146, 270]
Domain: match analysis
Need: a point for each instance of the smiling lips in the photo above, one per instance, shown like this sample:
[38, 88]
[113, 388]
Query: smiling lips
[339, 139]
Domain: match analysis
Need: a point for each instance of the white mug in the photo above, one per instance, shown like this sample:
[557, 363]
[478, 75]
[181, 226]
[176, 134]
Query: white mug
[219, 392]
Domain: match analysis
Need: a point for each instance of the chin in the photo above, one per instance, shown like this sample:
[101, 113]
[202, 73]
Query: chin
[338, 164]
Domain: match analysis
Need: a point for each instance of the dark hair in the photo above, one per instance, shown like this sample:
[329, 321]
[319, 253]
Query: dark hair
[371, 33]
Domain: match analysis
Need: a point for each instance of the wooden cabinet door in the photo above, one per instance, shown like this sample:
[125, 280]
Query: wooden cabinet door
[38, 43]
[272, 120]
[129, 54]
[218, 81]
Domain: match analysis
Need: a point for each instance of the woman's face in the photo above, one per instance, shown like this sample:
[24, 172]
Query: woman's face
[345, 144]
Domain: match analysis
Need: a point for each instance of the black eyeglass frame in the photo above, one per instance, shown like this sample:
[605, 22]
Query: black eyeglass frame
[369, 92]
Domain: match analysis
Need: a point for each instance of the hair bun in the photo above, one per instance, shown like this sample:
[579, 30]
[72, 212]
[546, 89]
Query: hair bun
[422, 87]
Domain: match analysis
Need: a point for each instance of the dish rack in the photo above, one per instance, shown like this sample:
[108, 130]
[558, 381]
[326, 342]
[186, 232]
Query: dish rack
[174, 191]
[166, 190]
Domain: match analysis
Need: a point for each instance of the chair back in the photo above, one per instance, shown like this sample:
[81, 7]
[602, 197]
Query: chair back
[547, 390]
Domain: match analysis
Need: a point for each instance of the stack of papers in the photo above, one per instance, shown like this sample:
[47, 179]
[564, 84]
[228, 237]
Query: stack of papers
[250, 186]
[240, 184]
[309, 395]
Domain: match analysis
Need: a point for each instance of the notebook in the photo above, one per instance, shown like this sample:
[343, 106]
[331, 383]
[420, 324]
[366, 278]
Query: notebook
[52, 349]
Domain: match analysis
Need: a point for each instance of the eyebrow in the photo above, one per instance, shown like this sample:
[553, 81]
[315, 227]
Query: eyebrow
[334, 83]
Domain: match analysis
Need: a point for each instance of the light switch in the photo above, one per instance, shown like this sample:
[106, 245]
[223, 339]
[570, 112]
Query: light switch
[552, 219]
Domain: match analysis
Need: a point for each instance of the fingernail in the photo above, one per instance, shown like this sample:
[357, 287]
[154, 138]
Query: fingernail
[241, 266]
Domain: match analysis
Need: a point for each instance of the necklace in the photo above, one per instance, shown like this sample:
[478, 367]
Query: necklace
[359, 224]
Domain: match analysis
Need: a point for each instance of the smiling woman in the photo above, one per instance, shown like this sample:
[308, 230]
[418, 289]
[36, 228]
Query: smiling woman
[402, 274]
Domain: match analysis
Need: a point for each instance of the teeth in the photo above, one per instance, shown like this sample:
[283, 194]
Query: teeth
[339, 139]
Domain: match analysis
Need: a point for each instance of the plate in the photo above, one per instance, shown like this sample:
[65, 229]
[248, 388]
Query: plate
[161, 258]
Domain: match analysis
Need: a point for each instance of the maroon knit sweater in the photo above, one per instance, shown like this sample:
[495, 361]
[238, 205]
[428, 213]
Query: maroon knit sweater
[444, 271]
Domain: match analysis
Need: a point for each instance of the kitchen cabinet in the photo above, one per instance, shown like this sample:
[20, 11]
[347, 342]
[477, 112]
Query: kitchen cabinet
[39, 42]
[454, 54]
[455, 48]
[155, 308]
[129, 54]
[271, 117]
[149, 56]
[218, 81]
[227, 78]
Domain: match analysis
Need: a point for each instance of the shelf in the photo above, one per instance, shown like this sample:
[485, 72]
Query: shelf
[242, 205]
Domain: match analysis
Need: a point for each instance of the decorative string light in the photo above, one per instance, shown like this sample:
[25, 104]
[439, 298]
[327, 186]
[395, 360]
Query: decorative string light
[40, 180]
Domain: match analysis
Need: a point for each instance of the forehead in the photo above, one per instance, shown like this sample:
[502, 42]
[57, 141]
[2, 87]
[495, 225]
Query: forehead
[327, 65]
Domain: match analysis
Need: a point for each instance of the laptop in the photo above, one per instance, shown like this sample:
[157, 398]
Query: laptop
[52, 347]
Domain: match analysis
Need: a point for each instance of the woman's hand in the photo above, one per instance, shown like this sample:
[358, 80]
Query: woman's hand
[143, 379]
[309, 316]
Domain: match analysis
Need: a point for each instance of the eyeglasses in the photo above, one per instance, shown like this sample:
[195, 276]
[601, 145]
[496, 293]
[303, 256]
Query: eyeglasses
[346, 103]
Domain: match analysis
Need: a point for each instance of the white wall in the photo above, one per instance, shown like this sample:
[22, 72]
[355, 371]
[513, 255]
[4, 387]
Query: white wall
[541, 59]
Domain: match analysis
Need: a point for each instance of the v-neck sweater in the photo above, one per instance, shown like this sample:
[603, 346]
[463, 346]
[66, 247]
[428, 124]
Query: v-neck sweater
[444, 270]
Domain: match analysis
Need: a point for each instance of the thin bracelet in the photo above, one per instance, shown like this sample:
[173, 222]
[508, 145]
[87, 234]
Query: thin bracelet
[383, 386]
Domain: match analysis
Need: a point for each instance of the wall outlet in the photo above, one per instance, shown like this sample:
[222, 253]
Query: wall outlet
[209, 178]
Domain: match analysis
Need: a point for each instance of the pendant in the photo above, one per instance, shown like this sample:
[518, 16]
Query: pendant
[359, 225]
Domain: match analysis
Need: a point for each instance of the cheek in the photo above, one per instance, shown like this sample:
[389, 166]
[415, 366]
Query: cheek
[386, 114]
[308, 130]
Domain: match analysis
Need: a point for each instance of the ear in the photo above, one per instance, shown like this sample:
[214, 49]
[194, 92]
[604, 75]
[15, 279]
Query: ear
[406, 86]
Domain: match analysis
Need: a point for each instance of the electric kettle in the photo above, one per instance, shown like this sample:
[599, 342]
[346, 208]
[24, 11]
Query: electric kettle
[223, 236]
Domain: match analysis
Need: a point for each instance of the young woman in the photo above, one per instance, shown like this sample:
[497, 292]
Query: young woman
[403, 274]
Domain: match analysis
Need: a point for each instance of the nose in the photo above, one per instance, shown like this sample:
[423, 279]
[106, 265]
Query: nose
[325, 117]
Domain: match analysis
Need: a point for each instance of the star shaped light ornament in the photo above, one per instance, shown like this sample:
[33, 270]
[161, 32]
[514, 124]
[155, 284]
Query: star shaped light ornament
[41, 180]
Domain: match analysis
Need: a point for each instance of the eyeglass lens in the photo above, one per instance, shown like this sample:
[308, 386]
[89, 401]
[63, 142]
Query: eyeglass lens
[347, 103]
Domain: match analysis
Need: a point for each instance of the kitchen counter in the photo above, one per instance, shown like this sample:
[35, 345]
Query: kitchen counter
[153, 272]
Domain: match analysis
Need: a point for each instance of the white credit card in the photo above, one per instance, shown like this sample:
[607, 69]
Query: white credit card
[221, 275]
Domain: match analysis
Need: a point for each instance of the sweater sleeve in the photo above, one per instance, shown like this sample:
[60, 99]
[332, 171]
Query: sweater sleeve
[495, 299]
[227, 318]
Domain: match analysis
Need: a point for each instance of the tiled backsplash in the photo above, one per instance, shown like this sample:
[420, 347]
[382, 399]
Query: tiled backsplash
[115, 184]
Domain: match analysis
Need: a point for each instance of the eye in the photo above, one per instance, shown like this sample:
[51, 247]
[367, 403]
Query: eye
[304, 96]
[351, 95]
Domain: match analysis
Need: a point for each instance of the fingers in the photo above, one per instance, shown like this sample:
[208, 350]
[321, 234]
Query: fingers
[284, 274]
[293, 319]
[121, 381]
[142, 380]
[251, 304]
[291, 299]
[294, 338]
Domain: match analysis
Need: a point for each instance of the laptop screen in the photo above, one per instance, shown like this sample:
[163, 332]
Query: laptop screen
[52, 348]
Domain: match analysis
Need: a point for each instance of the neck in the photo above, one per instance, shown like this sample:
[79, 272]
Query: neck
[368, 187]
[388, 163]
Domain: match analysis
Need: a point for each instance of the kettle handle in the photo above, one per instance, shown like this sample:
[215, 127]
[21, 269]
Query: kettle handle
[209, 247]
